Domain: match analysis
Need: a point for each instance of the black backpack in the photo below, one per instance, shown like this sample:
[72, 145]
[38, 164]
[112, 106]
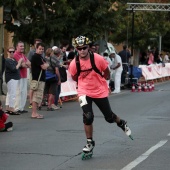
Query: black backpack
[62, 71]
[92, 64]
[63, 74]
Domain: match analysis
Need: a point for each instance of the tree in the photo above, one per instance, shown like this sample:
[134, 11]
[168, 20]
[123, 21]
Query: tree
[147, 27]
[64, 19]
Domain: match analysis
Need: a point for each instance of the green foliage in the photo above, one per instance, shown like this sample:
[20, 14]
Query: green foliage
[147, 27]
[65, 19]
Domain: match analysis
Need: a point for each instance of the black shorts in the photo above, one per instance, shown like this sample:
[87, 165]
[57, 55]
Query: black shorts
[102, 103]
[50, 88]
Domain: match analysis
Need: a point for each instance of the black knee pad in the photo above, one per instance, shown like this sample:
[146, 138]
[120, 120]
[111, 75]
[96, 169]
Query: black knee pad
[88, 118]
[112, 118]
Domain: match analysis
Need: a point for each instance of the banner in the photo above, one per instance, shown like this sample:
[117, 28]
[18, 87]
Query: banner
[69, 87]
[155, 71]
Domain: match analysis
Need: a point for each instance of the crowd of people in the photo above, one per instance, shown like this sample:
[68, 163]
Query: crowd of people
[43, 65]
[153, 56]
[84, 65]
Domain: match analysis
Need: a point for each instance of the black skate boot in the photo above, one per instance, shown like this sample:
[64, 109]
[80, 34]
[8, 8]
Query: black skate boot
[88, 149]
[125, 128]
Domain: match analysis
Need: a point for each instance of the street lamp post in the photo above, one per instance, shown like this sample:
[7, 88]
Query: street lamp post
[132, 42]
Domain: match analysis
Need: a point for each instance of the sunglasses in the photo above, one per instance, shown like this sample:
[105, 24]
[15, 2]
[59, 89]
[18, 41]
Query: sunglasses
[83, 48]
[11, 51]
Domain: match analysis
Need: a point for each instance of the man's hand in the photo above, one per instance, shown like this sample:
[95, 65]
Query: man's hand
[106, 74]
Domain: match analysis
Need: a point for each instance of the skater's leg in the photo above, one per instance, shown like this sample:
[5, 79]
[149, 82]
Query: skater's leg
[86, 104]
[104, 106]
[89, 131]
[87, 116]
[111, 117]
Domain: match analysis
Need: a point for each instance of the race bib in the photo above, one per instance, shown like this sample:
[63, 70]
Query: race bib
[82, 100]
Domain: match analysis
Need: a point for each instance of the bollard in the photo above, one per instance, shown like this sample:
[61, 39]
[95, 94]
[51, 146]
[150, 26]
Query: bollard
[145, 88]
[133, 88]
[139, 87]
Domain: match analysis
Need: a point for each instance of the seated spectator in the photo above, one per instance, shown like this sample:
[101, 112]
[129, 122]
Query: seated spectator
[4, 127]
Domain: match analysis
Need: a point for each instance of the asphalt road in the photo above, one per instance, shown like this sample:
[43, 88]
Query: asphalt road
[56, 142]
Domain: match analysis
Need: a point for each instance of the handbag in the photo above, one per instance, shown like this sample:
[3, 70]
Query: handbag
[34, 83]
[50, 77]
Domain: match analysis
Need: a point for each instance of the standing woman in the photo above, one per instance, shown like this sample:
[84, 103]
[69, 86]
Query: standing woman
[12, 76]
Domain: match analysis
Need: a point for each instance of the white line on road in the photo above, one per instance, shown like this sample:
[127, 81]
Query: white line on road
[168, 134]
[144, 156]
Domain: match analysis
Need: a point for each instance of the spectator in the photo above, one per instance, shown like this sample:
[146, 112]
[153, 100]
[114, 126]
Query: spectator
[4, 127]
[54, 47]
[22, 84]
[160, 59]
[12, 76]
[107, 58]
[3, 69]
[155, 53]
[33, 50]
[29, 56]
[58, 55]
[38, 63]
[97, 47]
[51, 86]
[117, 66]
[150, 57]
[166, 58]
[92, 48]
[71, 56]
[143, 58]
[69, 49]
[125, 56]
[63, 50]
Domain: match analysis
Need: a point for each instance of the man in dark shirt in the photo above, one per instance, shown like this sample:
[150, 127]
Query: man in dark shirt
[29, 56]
[125, 56]
[37, 64]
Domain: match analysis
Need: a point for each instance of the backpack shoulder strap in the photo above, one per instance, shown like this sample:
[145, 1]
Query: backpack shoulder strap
[94, 65]
[51, 64]
[77, 66]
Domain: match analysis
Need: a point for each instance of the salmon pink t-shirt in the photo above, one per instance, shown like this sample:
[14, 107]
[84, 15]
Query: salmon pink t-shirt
[91, 83]
[23, 70]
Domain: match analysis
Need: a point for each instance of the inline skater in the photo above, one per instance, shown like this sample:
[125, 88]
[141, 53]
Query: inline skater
[92, 87]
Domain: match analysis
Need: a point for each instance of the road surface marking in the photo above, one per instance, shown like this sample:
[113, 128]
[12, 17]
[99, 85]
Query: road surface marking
[168, 134]
[144, 156]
